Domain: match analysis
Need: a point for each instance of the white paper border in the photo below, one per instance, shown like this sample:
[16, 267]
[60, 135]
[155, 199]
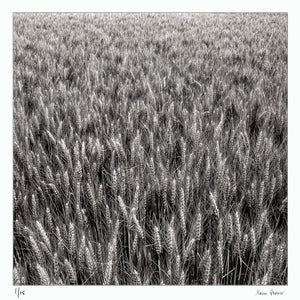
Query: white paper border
[124, 292]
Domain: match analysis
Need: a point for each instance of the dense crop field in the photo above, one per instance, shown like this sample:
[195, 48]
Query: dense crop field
[150, 149]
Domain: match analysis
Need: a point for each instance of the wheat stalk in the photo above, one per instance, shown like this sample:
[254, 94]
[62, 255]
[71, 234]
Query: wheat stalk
[71, 272]
[207, 267]
[55, 266]
[157, 241]
[43, 234]
[170, 240]
[44, 277]
[182, 212]
[72, 239]
[123, 208]
[173, 192]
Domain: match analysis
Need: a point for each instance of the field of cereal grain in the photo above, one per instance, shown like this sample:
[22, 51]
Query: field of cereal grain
[150, 149]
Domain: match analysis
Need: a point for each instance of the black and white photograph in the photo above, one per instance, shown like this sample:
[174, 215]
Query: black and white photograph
[150, 148]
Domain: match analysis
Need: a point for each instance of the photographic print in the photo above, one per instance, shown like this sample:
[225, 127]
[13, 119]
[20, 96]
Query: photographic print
[150, 148]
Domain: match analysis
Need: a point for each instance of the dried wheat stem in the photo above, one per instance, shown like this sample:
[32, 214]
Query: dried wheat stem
[71, 272]
[72, 239]
[238, 233]
[43, 234]
[49, 220]
[135, 202]
[189, 248]
[136, 278]
[157, 241]
[44, 277]
[198, 226]
[173, 192]
[182, 212]
[215, 208]
[207, 268]
[123, 208]
[55, 266]
[220, 256]
[138, 226]
[253, 242]
[34, 207]
[229, 228]
[91, 264]
[169, 240]
[16, 276]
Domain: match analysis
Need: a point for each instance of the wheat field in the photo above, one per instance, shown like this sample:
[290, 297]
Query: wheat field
[150, 149]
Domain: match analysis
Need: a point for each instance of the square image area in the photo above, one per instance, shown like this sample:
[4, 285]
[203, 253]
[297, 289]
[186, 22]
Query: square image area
[150, 148]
